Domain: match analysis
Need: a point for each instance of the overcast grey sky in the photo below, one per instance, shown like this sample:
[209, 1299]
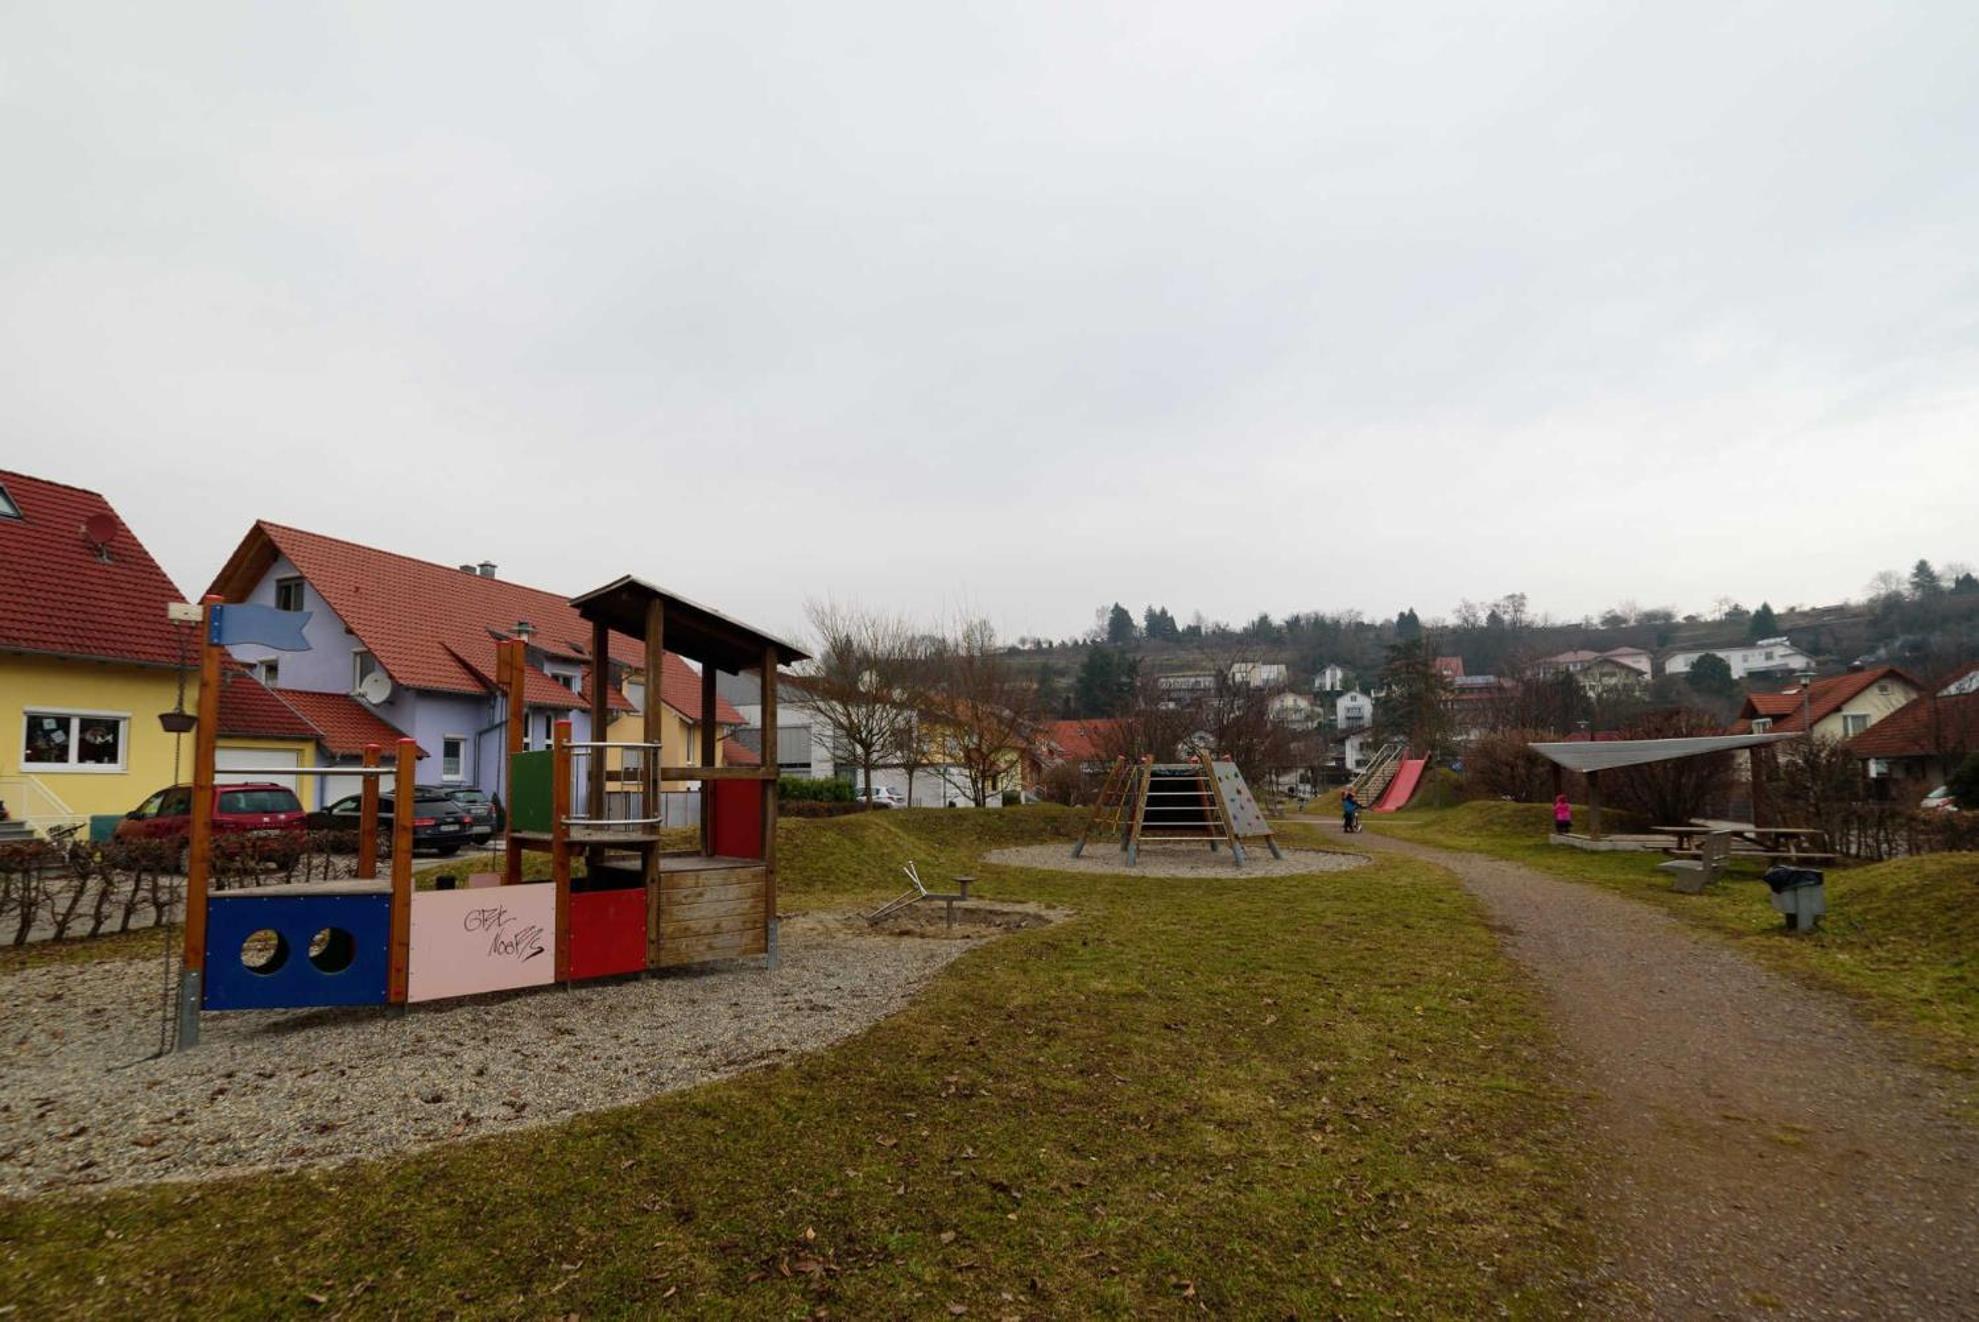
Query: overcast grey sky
[1021, 306]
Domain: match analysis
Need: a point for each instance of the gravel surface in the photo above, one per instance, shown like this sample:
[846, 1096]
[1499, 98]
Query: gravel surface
[1764, 1152]
[80, 1106]
[1175, 861]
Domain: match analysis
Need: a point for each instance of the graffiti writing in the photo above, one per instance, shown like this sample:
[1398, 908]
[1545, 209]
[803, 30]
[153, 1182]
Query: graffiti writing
[521, 944]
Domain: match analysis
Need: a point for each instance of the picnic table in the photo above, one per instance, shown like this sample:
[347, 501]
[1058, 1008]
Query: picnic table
[1780, 843]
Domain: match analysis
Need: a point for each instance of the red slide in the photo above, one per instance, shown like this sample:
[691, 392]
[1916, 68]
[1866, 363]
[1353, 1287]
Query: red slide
[1400, 789]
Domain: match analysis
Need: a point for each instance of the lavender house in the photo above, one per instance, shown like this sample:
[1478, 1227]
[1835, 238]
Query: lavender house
[430, 631]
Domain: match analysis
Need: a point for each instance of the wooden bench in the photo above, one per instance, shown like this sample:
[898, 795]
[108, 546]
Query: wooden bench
[1761, 855]
[1690, 877]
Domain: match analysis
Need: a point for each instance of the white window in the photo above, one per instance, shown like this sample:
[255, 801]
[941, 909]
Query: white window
[288, 594]
[1761, 724]
[8, 509]
[453, 757]
[268, 672]
[75, 740]
[1854, 723]
[362, 663]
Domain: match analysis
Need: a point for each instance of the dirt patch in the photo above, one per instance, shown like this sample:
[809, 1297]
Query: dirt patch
[81, 1106]
[1176, 861]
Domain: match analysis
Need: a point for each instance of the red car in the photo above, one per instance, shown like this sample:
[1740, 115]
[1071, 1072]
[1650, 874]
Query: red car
[237, 810]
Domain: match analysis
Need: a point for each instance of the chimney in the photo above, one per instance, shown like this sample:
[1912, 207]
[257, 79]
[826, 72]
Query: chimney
[467, 569]
[524, 629]
[487, 568]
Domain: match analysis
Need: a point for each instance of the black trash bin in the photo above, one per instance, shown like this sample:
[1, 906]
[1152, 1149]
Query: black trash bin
[1801, 894]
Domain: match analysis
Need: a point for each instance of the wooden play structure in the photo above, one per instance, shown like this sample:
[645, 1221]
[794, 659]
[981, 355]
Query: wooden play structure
[647, 899]
[1201, 801]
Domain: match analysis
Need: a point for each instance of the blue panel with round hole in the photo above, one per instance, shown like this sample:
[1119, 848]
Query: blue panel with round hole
[270, 952]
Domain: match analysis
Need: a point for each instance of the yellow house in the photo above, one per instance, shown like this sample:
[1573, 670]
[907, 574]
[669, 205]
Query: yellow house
[1840, 707]
[680, 699]
[88, 661]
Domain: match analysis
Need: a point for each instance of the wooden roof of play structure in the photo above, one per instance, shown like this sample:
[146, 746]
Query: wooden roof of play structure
[1201, 801]
[692, 630]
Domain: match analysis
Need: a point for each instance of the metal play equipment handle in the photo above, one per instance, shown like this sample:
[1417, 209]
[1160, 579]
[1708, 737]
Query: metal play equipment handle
[919, 893]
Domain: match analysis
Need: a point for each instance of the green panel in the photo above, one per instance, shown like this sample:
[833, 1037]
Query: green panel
[529, 792]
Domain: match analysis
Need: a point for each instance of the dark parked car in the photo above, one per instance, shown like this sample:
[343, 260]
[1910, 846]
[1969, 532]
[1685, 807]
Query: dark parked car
[487, 813]
[250, 809]
[438, 823]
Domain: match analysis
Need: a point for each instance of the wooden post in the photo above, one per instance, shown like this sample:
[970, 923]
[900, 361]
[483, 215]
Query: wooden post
[199, 849]
[653, 723]
[1758, 762]
[560, 843]
[403, 796]
[1594, 805]
[709, 734]
[367, 818]
[601, 716]
[769, 784]
[511, 670]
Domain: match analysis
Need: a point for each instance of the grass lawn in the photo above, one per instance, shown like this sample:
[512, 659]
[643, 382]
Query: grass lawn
[1261, 1096]
[1901, 937]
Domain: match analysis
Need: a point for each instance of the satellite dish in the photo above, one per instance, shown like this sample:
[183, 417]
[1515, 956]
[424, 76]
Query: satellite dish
[376, 688]
[98, 530]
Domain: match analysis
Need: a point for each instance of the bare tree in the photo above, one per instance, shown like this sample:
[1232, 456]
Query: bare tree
[1150, 726]
[1680, 788]
[1885, 585]
[914, 743]
[859, 661]
[984, 705]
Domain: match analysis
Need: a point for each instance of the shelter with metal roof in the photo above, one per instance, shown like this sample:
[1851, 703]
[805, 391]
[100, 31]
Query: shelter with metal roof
[1591, 757]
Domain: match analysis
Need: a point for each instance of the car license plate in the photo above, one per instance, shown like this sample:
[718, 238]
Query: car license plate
[450, 827]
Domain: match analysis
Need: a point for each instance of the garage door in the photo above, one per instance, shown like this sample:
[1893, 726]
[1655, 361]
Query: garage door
[334, 788]
[262, 764]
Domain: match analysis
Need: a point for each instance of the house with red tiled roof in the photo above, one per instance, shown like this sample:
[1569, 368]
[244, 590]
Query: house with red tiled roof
[1090, 741]
[409, 645]
[89, 660]
[1838, 707]
[1922, 742]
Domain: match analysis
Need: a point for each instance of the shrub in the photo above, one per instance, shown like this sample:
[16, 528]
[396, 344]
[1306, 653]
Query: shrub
[818, 808]
[1503, 766]
[800, 789]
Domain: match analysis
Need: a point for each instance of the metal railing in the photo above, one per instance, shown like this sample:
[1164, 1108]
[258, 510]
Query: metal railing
[36, 806]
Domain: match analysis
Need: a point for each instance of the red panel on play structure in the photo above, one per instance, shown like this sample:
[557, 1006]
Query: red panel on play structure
[607, 932]
[739, 817]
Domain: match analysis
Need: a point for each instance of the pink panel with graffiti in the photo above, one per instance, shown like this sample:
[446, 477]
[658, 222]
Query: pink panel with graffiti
[482, 940]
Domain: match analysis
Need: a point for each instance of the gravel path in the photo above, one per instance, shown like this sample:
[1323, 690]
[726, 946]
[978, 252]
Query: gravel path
[1765, 1153]
[79, 1106]
[1175, 861]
